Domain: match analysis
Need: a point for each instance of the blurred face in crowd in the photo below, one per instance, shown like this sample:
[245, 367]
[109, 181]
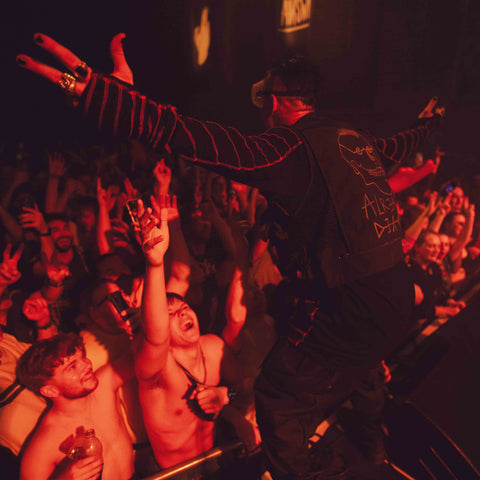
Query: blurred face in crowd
[444, 246]
[456, 200]
[428, 251]
[61, 235]
[455, 227]
[219, 192]
[87, 219]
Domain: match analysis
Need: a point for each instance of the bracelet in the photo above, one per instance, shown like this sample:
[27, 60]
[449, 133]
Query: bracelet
[55, 285]
[44, 327]
[45, 234]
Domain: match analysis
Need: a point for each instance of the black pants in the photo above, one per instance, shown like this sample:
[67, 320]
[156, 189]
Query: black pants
[294, 394]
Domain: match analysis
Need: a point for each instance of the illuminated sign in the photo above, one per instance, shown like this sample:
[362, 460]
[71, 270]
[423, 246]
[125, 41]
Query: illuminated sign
[201, 37]
[295, 15]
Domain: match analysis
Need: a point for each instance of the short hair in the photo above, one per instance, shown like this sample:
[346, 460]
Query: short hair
[423, 235]
[299, 75]
[87, 203]
[62, 217]
[448, 220]
[39, 362]
[171, 296]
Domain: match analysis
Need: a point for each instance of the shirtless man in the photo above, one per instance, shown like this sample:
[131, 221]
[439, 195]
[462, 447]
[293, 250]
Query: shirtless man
[58, 369]
[178, 369]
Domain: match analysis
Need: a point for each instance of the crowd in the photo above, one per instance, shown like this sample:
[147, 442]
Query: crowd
[141, 294]
[73, 264]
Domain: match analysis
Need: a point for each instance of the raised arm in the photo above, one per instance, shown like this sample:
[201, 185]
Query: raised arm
[401, 145]
[105, 204]
[414, 230]
[56, 170]
[464, 238]
[33, 218]
[235, 312]
[9, 273]
[179, 278]
[151, 356]
[441, 212]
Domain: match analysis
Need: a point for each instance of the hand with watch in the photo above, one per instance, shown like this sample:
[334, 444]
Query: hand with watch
[35, 308]
[211, 399]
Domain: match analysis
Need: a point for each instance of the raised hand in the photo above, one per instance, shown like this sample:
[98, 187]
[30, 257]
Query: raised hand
[56, 165]
[470, 211]
[121, 70]
[163, 175]
[154, 232]
[444, 207]
[439, 153]
[73, 186]
[74, 81]
[20, 175]
[35, 308]
[429, 111]
[129, 194]
[170, 205]
[8, 268]
[105, 198]
[468, 208]
[33, 218]
[201, 37]
[130, 191]
[433, 204]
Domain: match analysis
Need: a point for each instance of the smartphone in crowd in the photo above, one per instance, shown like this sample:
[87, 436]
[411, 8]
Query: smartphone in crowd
[132, 208]
[120, 304]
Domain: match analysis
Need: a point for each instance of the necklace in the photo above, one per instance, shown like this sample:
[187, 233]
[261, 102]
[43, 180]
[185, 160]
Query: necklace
[190, 375]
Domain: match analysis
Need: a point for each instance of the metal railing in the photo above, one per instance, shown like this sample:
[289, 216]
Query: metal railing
[199, 461]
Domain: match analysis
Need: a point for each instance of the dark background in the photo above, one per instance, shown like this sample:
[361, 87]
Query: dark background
[381, 62]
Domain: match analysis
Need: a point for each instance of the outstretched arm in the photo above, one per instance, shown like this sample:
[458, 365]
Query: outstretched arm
[406, 177]
[117, 109]
[151, 357]
[400, 146]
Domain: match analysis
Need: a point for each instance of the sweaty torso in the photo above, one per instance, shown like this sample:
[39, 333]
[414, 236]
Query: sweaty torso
[48, 448]
[176, 430]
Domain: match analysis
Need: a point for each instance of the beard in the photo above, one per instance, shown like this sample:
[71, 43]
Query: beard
[64, 244]
[80, 392]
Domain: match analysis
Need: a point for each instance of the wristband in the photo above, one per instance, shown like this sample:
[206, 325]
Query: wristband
[55, 285]
[232, 395]
[44, 327]
[45, 234]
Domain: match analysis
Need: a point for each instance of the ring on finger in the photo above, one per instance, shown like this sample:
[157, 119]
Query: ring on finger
[68, 82]
[81, 70]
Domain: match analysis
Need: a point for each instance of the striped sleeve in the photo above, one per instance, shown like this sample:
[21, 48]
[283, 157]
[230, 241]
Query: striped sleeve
[116, 109]
[400, 146]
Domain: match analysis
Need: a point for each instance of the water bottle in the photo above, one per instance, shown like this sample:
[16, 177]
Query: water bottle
[84, 445]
